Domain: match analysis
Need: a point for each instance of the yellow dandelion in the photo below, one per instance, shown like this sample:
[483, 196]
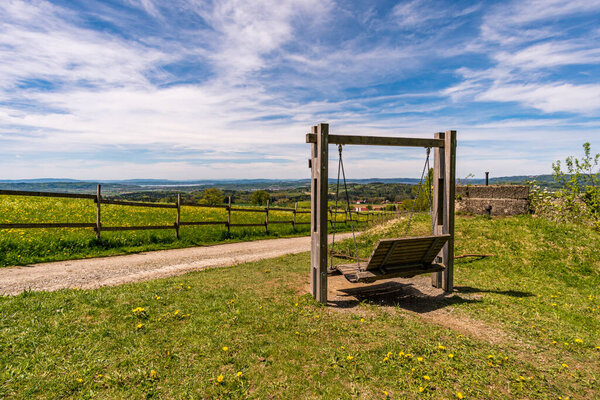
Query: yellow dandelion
[139, 326]
[239, 374]
[459, 395]
[220, 378]
[441, 347]
[343, 347]
[426, 377]
[157, 297]
[490, 356]
[349, 358]
[389, 354]
[419, 358]
[450, 355]
[564, 365]
[79, 380]
[153, 374]
[296, 304]
[401, 354]
[385, 359]
[578, 341]
[225, 348]
[362, 320]
[597, 347]
[385, 393]
[553, 304]
[297, 333]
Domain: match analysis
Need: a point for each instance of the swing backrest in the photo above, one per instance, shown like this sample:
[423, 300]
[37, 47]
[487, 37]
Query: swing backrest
[406, 251]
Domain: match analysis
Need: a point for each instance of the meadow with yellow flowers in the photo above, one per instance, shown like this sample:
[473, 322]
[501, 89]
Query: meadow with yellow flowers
[523, 324]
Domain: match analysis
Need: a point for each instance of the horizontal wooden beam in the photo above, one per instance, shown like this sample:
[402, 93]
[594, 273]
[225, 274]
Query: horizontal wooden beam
[136, 228]
[47, 225]
[137, 204]
[378, 140]
[204, 223]
[47, 194]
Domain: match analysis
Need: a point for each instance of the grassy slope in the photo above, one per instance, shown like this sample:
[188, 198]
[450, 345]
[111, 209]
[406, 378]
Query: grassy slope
[20, 246]
[541, 288]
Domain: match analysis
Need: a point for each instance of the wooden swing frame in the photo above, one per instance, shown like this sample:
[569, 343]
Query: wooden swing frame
[444, 177]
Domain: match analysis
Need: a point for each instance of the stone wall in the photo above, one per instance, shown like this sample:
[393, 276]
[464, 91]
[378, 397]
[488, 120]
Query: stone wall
[498, 199]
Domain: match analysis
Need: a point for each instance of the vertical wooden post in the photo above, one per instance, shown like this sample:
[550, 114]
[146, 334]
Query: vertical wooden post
[178, 220]
[229, 215]
[267, 218]
[444, 180]
[437, 216]
[319, 194]
[98, 202]
[294, 219]
[450, 178]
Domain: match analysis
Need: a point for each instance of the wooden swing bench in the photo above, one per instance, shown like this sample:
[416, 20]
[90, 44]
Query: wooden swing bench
[397, 258]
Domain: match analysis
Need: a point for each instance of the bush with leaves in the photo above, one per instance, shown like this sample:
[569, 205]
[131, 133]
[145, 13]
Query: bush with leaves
[578, 198]
[260, 197]
[212, 196]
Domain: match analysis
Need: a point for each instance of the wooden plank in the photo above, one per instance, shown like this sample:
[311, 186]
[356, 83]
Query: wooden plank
[48, 225]
[137, 204]
[302, 223]
[204, 205]
[47, 194]
[281, 222]
[229, 215]
[259, 210]
[303, 212]
[204, 223]
[136, 228]
[351, 273]
[261, 225]
[378, 141]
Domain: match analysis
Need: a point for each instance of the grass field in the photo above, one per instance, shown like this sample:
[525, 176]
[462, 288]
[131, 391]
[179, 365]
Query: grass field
[24, 246]
[250, 331]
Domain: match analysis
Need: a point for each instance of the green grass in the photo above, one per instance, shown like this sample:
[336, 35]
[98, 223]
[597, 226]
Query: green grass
[537, 293]
[25, 246]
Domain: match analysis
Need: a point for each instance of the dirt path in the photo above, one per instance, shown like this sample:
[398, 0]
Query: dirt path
[96, 272]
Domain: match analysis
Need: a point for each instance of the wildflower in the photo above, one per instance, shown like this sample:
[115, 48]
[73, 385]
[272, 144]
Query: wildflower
[459, 395]
[450, 355]
[421, 389]
[349, 358]
[362, 320]
[522, 378]
[225, 348]
[597, 347]
[385, 393]
[426, 377]
[490, 357]
[578, 341]
[220, 379]
[554, 342]
[153, 374]
[296, 304]
[239, 374]
[79, 380]
[343, 347]
[189, 287]
[389, 354]
[408, 355]
[138, 310]
[564, 365]
[176, 313]
[401, 354]
[419, 358]
[385, 359]
[441, 347]
[297, 333]
[139, 326]
[157, 297]
[553, 304]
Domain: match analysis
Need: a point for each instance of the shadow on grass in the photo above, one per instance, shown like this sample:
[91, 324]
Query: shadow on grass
[512, 293]
[403, 295]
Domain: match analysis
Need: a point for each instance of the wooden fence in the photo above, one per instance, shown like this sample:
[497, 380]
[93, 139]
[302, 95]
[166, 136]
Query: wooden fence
[349, 216]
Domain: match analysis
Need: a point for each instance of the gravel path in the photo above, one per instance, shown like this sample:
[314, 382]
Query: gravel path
[105, 271]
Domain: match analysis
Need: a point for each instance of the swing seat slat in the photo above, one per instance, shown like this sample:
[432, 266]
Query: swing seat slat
[401, 257]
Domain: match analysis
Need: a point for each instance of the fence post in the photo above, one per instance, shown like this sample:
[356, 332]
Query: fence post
[294, 219]
[178, 215]
[98, 200]
[229, 215]
[267, 218]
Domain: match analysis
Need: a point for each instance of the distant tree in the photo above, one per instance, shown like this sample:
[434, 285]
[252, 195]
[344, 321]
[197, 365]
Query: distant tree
[212, 196]
[390, 207]
[422, 193]
[369, 207]
[260, 197]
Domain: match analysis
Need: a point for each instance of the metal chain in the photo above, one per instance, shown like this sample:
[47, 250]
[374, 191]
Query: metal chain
[348, 205]
[412, 211]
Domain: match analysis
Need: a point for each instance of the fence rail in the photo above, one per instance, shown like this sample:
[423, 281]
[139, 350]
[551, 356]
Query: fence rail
[349, 216]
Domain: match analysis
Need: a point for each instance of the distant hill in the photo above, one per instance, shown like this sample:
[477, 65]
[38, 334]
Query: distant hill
[137, 185]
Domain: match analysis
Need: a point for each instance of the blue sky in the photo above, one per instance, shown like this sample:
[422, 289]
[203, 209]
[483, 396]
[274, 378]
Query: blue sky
[188, 89]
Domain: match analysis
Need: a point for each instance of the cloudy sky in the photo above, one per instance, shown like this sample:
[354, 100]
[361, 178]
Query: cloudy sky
[190, 89]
